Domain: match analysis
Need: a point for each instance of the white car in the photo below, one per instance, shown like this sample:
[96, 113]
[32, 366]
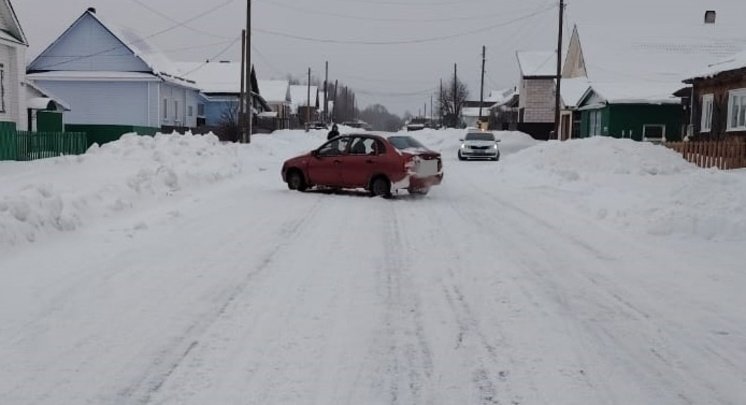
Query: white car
[479, 145]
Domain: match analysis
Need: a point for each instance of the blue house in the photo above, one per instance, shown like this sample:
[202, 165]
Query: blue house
[220, 85]
[114, 81]
[13, 46]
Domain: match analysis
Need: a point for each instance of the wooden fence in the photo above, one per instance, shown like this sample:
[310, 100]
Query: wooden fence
[721, 154]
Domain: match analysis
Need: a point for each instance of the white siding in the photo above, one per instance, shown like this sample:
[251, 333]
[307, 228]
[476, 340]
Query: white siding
[12, 57]
[103, 103]
[88, 46]
[185, 98]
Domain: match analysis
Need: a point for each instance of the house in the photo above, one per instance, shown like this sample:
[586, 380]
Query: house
[635, 60]
[220, 93]
[115, 82]
[303, 108]
[719, 100]
[537, 92]
[504, 111]
[277, 95]
[572, 93]
[13, 46]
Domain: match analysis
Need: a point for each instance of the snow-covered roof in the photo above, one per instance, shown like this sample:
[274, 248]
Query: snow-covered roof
[77, 75]
[35, 91]
[537, 63]
[501, 96]
[734, 62]
[474, 112]
[299, 96]
[655, 44]
[573, 90]
[632, 92]
[213, 77]
[275, 91]
[10, 20]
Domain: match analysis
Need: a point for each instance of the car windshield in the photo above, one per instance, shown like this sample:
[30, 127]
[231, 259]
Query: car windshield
[405, 142]
[480, 136]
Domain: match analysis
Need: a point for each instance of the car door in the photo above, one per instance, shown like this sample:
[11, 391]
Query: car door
[359, 165]
[324, 167]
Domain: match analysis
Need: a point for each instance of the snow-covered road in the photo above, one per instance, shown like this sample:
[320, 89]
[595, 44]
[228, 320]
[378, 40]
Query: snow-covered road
[484, 292]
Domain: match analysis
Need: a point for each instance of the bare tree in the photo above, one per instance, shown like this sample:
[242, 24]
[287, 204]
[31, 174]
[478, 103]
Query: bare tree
[451, 104]
[228, 130]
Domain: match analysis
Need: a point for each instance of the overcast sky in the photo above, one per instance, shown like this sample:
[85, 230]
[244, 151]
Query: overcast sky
[435, 34]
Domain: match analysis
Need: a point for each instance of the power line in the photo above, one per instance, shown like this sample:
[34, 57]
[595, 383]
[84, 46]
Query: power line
[384, 19]
[219, 54]
[403, 42]
[410, 3]
[173, 20]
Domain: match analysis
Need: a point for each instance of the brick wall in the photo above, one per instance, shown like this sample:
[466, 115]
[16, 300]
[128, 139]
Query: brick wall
[537, 100]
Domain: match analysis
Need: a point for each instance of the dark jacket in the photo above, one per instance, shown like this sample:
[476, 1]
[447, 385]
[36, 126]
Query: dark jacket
[332, 134]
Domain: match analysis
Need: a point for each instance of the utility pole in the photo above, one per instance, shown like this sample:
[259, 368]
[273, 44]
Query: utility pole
[558, 96]
[249, 101]
[336, 116]
[308, 101]
[425, 109]
[432, 112]
[440, 101]
[326, 94]
[455, 95]
[242, 98]
[481, 89]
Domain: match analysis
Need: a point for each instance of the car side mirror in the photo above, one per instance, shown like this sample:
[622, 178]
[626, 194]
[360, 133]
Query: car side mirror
[461, 139]
[497, 141]
[315, 153]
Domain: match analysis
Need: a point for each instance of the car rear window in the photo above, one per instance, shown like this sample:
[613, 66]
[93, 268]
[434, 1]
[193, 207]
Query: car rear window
[405, 142]
[480, 136]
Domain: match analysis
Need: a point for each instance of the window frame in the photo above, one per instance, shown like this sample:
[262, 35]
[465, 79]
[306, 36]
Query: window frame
[2, 89]
[663, 133]
[740, 95]
[176, 110]
[165, 109]
[708, 105]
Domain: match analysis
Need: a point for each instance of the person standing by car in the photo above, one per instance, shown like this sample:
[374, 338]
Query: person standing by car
[333, 133]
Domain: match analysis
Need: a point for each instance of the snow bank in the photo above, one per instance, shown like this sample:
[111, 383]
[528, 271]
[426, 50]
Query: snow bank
[61, 194]
[635, 185]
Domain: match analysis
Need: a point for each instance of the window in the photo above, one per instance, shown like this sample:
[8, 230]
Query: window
[335, 148]
[176, 110]
[190, 111]
[737, 110]
[365, 146]
[707, 103]
[165, 109]
[596, 119]
[2, 88]
[710, 16]
[201, 110]
[655, 132]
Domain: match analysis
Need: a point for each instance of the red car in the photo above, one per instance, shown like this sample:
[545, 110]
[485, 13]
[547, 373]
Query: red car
[380, 164]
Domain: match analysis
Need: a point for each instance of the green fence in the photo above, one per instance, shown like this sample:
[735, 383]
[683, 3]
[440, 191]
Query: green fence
[42, 145]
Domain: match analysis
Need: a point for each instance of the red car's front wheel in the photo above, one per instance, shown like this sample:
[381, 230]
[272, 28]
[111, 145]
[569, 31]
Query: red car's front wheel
[296, 180]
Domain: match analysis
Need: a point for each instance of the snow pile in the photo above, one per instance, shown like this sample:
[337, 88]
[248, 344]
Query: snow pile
[635, 185]
[64, 193]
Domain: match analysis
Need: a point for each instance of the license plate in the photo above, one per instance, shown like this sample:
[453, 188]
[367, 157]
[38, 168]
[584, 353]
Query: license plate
[427, 168]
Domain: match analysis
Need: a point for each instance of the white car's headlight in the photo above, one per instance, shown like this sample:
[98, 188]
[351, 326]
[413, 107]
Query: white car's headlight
[494, 146]
[463, 146]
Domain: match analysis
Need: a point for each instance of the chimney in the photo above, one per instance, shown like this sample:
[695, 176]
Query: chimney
[92, 10]
[710, 17]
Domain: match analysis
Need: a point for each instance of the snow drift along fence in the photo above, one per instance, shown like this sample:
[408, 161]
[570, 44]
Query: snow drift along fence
[42, 145]
[722, 154]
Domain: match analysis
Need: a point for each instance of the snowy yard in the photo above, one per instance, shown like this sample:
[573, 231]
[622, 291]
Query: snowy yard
[179, 270]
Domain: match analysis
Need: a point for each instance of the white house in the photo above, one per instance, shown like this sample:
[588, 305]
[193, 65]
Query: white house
[115, 82]
[13, 46]
[301, 102]
[277, 95]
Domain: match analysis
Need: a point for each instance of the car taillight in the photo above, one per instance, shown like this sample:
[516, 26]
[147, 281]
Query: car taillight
[409, 164]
